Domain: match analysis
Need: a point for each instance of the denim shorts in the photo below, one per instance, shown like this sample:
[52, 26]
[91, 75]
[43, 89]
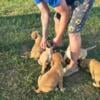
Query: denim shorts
[52, 3]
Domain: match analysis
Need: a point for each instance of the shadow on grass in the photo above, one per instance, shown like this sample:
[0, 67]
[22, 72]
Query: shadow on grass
[25, 24]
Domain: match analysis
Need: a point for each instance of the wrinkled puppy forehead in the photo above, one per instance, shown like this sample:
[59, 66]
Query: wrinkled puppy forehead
[56, 56]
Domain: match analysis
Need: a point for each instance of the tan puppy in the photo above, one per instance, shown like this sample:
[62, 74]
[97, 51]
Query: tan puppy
[45, 59]
[54, 76]
[94, 68]
[82, 55]
[36, 50]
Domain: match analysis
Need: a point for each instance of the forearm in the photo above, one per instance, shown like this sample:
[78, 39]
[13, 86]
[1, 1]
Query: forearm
[45, 23]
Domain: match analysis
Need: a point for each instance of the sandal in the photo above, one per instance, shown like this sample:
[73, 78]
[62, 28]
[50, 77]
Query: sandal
[70, 71]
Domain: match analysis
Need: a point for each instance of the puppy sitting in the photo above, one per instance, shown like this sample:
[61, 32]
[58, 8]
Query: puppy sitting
[94, 69]
[45, 59]
[36, 50]
[54, 76]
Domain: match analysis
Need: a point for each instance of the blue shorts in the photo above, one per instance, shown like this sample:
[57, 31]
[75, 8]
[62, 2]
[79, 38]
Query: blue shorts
[52, 3]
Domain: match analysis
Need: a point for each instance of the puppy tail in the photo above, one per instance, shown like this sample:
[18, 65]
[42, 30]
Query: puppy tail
[90, 48]
[33, 33]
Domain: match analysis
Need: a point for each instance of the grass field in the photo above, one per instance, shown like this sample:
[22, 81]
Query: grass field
[18, 18]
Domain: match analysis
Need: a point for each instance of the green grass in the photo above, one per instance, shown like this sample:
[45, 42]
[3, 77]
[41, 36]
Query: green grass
[18, 18]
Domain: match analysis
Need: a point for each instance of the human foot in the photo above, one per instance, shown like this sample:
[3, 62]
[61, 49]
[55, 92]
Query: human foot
[70, 70]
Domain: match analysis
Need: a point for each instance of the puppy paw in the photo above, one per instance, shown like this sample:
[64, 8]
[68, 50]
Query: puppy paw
[56, 89]
[36, 90]
[64, 70]
[39, 62]
[62, 89]
[95, 85]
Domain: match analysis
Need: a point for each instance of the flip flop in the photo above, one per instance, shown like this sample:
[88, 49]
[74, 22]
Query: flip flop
[70, 71]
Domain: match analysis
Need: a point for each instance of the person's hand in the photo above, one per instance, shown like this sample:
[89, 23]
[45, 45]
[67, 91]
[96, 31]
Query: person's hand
[43, 43]
[57, 42]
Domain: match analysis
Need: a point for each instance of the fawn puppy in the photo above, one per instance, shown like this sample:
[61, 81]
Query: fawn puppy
[48, 81]
[36, 49]
[94, 68]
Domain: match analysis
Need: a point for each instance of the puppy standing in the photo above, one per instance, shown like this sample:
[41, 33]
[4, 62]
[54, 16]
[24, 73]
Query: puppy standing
[82, 55]
[45, 59]
[36, 50]
[54, 76]
[94, 69]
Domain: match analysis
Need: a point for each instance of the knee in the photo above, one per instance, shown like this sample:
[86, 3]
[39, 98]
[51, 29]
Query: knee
[74, 36]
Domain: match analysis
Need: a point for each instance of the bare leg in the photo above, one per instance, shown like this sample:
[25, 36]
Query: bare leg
[60, 24]
[57, 22]
[75, 26]
[74, 50]
[43, 68]
[75, 44]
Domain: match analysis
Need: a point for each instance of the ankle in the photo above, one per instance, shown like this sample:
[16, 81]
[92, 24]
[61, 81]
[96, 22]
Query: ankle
[72, 64]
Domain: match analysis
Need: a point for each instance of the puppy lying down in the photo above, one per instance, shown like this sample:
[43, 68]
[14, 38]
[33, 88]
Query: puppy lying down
[36, 50]
[45, 59]
[48, 81]
[94, 68]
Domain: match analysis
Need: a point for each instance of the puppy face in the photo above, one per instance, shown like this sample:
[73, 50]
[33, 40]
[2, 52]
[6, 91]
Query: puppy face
[83, 63]
[34, 35]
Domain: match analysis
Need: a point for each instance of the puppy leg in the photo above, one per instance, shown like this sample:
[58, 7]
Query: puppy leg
[96, 84]
[31, 56]
[52, 63]
[39, 62]
[32, 53]
[61, 85]
[43, 68]
[38, 55]
[37, 90]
